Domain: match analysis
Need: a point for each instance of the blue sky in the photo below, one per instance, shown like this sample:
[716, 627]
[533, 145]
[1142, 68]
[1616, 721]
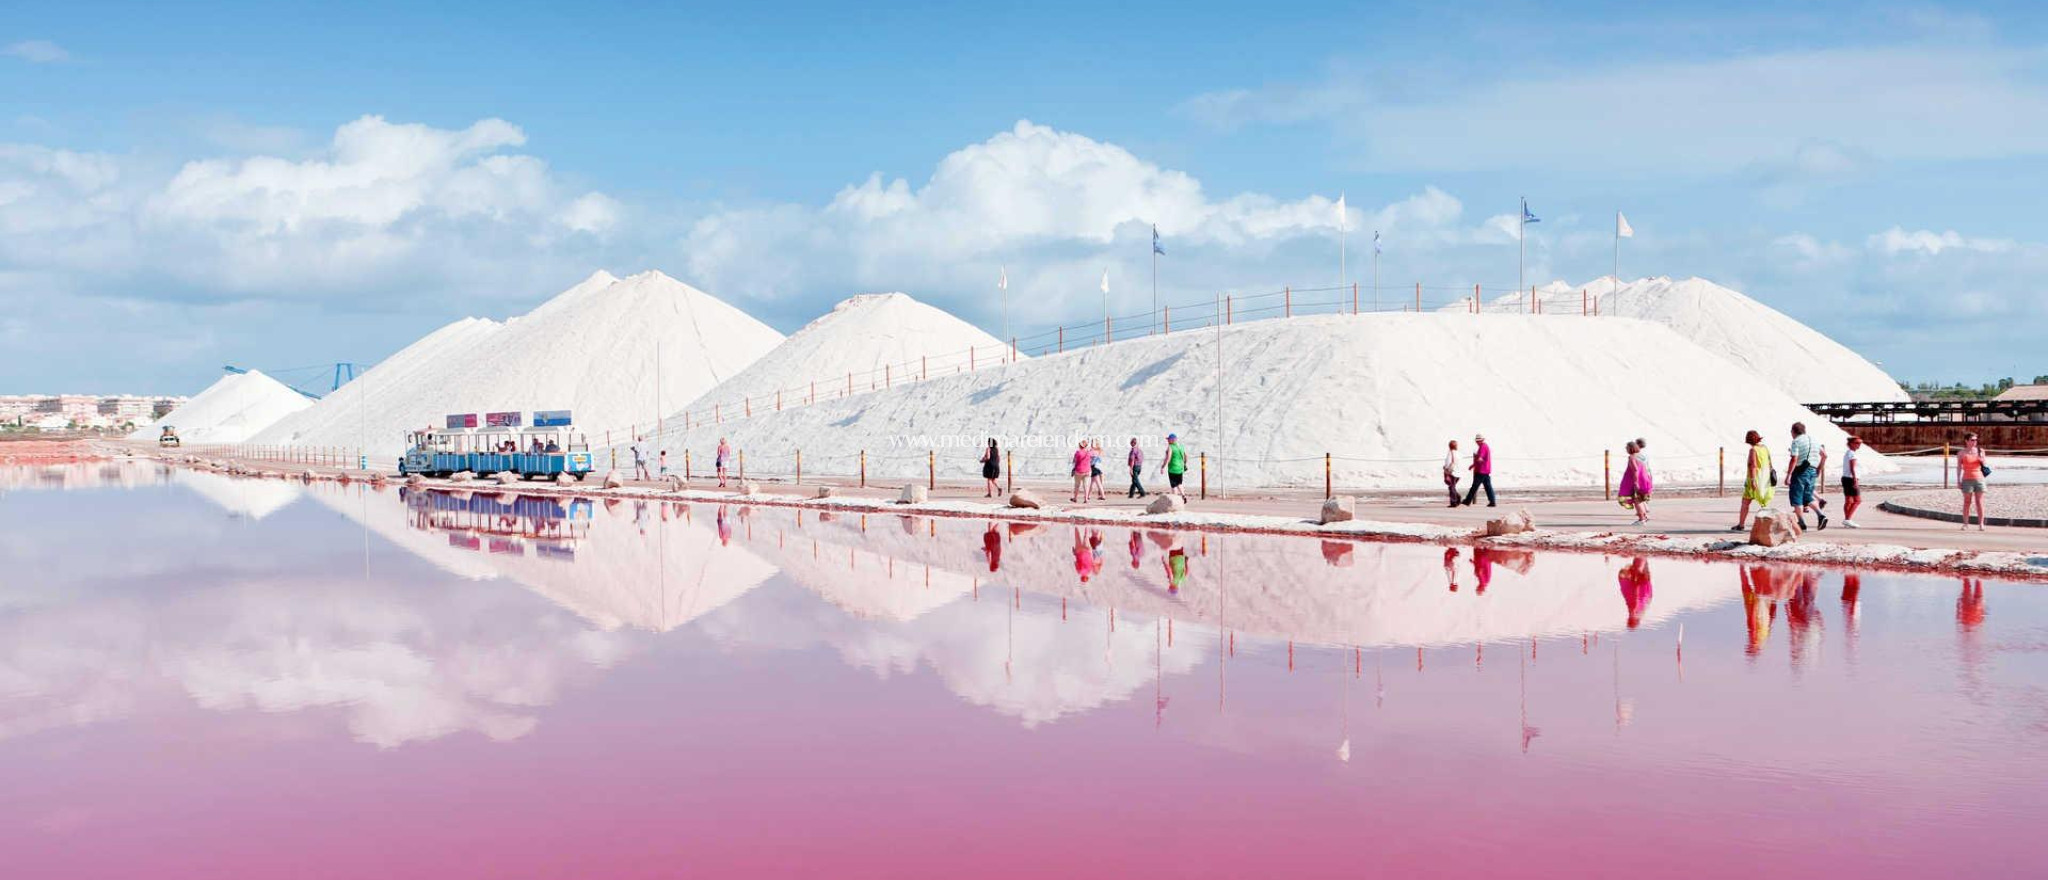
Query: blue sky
[281, 184]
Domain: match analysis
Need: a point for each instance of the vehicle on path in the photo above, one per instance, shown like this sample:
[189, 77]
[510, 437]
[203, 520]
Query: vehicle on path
[552, 446]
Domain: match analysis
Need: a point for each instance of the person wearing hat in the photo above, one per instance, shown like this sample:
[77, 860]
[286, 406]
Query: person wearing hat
[1175, 464]
[1482, 471]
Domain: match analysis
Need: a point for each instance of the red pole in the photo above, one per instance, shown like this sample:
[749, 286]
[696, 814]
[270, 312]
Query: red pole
[1226, 310]
[1062, 341]
[1418, 297]
[1354, 297]
[1168, 326]
[1287, 302]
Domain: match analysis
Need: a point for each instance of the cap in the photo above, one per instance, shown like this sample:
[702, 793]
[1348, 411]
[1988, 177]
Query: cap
[1173, 436]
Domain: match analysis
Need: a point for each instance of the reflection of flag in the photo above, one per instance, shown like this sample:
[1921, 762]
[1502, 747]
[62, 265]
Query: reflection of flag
[1156, 248]
[1375, 241]
[1105, 281]
[1003, 282]
[1526, 216]
[1621, 227]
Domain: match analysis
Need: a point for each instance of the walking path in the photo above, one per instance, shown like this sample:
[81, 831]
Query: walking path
[1688, 523]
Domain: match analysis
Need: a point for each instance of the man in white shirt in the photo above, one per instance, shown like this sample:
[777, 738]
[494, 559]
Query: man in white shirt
[1451, 473]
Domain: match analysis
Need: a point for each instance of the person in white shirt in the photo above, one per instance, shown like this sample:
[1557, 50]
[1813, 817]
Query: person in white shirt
[1852, 495]
[1451, 472]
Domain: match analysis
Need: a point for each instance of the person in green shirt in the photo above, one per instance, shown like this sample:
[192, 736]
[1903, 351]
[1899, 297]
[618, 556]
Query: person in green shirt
[1175, 465]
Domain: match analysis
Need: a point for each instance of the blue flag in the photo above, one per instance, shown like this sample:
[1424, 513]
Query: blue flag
[1156, 248]
[1526, 216]
[1375, 241]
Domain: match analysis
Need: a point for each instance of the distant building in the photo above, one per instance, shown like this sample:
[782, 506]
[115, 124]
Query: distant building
[85, 410]
[2024, 392]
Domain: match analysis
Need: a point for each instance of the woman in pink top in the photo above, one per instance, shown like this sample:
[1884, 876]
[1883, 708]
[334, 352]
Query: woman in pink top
[1084, 461]
[1970, 477]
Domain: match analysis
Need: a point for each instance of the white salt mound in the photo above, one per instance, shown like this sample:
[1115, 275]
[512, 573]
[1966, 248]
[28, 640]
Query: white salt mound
[591, 349]
[1383, 393]
[1804, 362]
[231, 410]
[850, 347]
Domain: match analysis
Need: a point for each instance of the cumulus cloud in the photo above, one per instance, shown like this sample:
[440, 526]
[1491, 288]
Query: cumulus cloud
[36, 52]
[1057, 207]
[1898, 241]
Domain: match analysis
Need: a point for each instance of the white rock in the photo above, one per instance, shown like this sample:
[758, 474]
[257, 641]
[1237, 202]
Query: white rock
[1026, 499]
[913, 493]
[1341, 509]
[1166, 503]
[564, 480]
[612, 480]
[1513, 524]
[823, 492]
[505, 478]
[461, 477]
[1771, 529]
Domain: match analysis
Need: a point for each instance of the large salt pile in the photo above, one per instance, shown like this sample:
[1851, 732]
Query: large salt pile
[592, 349]
[865, 343]
[1804, 362]
[344, 412]
[231, 410]
[1382, 393]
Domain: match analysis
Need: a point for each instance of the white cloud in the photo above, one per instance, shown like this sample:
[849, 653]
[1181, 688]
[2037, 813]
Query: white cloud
[1943, 101]
[36, 52]
[1898, 241]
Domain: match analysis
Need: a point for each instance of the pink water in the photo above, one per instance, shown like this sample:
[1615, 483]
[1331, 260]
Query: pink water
[208, 678]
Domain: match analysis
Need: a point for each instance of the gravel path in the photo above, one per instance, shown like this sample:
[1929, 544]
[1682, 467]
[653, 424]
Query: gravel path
[2003, 505]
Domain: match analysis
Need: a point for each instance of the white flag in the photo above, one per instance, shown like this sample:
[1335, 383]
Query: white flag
[1105, 281]
[1004, 282]
[1621, 227]
[1341, 218]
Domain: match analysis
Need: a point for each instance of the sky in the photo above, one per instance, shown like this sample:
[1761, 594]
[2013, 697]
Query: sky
[284, 186]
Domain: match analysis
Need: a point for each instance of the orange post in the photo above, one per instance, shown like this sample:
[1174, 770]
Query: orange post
[1287, 302]
[1167, 324]
[863, 468]
[1354, 297]
[686, 464]
[931, 464]
[1607, 466]
[1944, 465]
[1721, 484]
[1475, 299]
[799, 466]
[1205, 475]
[1328, 490]
[743, 465]
[1009, 470]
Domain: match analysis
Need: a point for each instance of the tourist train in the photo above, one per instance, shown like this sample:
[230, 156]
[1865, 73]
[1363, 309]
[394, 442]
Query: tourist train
[550, 447]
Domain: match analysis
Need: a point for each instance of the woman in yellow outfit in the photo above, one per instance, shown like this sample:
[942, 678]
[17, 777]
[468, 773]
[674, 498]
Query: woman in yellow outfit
[1760, 483]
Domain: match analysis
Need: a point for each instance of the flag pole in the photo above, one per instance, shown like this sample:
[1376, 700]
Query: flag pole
[1155, 279]
[1343, 235]
[1521, 234]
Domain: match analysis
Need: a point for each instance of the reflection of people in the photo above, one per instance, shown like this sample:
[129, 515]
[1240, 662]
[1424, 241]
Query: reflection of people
[1762, 587]
[724, 528]
[1137, 551]
[1970, 605]
[992, 546]
[1482, 569]
[1084, 558]
[1635, 589]
[1176, 569]
[1451, 568]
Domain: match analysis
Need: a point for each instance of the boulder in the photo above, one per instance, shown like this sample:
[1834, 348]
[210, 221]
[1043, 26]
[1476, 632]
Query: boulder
[823, 492]
[913, 493]
[379, 479]
[1027, 499]
[1772, 528]
[612, 480]
[564, 480]
[506, 478]
[1513, 524]
[344, 478]
[748, 487]
[1166, 503]
[462, 477]
[308, 475]
[1337, 510]
[673, 482]
[415, 481]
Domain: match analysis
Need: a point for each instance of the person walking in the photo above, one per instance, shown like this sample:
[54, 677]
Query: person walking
[724, 452]
[1451, 472]
[1805, 464]
[664, 464]
[640, 464]
[1852, 494]
[1482, 471]
[1095, 470]
[1136, 459]
[1970, 474]
[991, 468]
[1626, 492]
[1636, 482]
[1175, 465]
[1082, 460]
[1759, 482]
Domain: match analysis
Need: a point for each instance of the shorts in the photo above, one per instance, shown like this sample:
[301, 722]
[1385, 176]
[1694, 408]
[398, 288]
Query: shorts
[1095, 472]
[1173, 479]
[1802, 486]
[1971, 487]
[1849, 489]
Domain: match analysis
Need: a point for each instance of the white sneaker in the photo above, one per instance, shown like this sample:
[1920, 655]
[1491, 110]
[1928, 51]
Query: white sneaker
[1851, 524]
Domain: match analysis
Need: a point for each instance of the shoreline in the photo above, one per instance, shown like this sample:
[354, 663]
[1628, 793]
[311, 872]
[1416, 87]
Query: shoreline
[2017, 556]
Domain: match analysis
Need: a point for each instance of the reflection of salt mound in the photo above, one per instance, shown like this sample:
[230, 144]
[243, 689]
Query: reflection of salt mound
[254, 499]
[1381, 392]
[591, 349]
[647, 565]
[860, 579]
[231, 410]
[345, 412]
[1797, 358]
[857, 339]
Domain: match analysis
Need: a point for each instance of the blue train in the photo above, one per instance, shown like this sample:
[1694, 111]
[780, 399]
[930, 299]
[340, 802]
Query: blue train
[500, 444]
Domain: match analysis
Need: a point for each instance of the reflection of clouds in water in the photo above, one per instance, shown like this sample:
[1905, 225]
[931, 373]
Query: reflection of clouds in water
[399, 665]
[1032, 665]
